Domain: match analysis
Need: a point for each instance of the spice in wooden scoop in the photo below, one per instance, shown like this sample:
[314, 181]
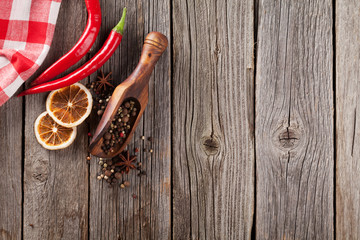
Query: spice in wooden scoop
[121, 125]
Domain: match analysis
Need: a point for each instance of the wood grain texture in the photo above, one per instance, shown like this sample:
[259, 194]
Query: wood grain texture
[11, 169]
[347, 119]
[114, 213]
[206, 128]
[294, 120]
[213, 142]
[56, 182]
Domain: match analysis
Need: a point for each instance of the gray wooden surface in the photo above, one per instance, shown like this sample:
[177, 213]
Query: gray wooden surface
[11, 195]
[347, 119]
[294, 121]
[213, 119]
[253, 111]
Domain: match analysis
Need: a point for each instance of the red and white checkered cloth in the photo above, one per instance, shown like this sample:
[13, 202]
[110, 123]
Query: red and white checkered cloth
[26, 32]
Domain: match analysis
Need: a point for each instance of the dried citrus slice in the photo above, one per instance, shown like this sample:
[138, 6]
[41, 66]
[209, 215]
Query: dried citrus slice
[51, 135]
[69, 106]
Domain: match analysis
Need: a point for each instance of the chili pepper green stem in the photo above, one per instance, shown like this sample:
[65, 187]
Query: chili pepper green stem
[119, 28]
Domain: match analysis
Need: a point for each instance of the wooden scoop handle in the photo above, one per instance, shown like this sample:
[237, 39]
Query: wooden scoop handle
[154, 46]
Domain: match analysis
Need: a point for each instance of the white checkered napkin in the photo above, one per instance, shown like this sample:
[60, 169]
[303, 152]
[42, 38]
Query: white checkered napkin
[26, 31]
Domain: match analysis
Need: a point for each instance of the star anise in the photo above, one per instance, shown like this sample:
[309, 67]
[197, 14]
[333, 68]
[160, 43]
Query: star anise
[127, 162]
[103, 82]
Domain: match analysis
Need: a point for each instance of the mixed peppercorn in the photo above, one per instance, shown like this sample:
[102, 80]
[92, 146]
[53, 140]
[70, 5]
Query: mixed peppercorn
[112, 170]
[120, 126]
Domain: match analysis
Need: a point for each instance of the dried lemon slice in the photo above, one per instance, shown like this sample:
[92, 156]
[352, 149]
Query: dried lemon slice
[69, 106]
[51, 135]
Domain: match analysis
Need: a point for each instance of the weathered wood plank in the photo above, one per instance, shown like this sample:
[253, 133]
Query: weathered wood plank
[347, 119]
[114, 213]
[155, 190]
[294, 120]
[56, 182]
[213, 117]
[11, 169]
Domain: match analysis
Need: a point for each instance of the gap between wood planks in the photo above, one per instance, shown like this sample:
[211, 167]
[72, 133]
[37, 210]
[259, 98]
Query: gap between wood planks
[22, 162]
[256, 21]
[334, 107]
[171, 117]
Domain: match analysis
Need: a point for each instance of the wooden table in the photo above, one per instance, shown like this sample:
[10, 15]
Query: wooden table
[253, 111]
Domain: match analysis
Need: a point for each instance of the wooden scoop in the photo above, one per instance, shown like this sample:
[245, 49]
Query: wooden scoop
[135, 87]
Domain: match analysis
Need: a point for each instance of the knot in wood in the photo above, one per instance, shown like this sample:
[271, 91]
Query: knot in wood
[41, 177]
[289, 138]
[217, 50]
[40, 170]
[210, 145]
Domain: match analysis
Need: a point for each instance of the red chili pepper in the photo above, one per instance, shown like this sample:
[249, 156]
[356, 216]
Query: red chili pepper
[88, 68]
[82, 47]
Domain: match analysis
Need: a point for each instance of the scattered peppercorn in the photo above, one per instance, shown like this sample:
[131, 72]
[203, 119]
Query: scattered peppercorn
[127, 184]
[112, 170]
[108, 173]
[118, 175]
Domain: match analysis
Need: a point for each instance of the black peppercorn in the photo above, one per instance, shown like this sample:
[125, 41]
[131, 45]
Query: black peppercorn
[127, 184]
[108, 173]
[117, 175]
[125, 119]
[107, 136]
